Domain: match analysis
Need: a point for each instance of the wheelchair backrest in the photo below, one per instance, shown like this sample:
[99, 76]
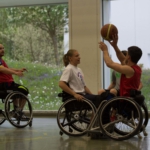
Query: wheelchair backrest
[65, 96]
[137, 96]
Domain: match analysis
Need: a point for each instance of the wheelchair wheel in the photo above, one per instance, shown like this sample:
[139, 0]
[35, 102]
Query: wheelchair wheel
[128, 121]
[74, 116]
[2, 117]
[144, 124]
[146, 117]
[18, 117]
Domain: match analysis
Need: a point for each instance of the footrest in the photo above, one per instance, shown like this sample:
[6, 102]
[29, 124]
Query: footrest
[95, 135]
[94, 131]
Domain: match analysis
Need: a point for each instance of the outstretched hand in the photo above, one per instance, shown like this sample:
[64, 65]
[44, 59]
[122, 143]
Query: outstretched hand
[103, 46]
[23, 70]
[19, 73]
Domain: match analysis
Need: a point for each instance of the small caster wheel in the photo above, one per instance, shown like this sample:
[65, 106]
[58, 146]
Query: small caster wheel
[30, 124]
[61, 133]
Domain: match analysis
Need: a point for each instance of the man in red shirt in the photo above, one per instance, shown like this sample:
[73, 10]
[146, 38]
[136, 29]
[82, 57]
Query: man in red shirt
[130, 71]
[7, 81]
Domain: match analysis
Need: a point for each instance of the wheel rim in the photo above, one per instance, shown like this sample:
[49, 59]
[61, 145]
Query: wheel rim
[16, 118]
[74, 117]
[126, 124]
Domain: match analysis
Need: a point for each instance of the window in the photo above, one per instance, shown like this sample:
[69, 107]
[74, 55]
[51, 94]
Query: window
[33, 37]
[131, 17]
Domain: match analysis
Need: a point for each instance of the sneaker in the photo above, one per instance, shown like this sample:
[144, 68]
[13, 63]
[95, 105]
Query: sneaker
[12, 114]
[17, 114]
[23, 116]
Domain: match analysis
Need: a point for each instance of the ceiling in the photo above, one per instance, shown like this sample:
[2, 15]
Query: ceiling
[7, 3]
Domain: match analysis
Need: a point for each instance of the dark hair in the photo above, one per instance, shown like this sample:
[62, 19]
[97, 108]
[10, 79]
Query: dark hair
[135, 53]
[124, 52]
[67, 55]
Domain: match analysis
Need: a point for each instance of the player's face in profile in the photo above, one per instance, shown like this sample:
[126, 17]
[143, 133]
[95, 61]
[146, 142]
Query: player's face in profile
[75, 59]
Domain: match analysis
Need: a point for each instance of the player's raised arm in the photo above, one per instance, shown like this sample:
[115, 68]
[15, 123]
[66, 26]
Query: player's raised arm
[119, 54]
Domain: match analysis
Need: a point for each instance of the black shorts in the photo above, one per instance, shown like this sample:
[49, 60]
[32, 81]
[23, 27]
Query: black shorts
[14, 86]
[118, 91]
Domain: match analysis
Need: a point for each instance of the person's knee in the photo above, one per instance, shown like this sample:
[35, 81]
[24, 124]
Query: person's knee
[113, 91]
[23, 90]
[101, 91]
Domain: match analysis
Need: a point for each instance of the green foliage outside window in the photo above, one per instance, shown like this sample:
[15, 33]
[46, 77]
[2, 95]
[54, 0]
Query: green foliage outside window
[33, 38]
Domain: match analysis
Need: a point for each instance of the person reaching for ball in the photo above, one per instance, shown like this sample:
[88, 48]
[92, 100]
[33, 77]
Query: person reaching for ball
[113, 88]
[130, 71]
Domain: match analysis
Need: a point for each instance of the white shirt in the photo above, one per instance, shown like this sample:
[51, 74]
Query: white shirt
[74, 77]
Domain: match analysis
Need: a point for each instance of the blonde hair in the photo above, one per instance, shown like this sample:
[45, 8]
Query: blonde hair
[67, 55]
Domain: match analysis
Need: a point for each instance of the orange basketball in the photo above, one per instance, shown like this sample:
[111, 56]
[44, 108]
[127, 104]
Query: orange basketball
[108, 30]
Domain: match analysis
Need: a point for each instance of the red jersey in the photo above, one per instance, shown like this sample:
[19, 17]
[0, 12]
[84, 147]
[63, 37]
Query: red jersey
[5, 77]
[126, 84]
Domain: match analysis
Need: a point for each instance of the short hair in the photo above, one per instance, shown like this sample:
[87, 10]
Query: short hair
[135, 53]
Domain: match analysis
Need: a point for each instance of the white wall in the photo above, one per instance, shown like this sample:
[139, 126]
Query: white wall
[132, 18]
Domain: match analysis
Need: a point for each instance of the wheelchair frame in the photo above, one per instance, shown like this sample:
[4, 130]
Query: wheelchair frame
[15, 117]
[96, 127]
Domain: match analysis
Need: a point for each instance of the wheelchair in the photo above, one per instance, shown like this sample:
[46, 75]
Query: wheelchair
[76, 118]
[15, 117]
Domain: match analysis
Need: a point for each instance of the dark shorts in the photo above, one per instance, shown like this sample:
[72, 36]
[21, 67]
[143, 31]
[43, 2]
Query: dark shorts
[118, 91]
[14, 86]
[96, 99]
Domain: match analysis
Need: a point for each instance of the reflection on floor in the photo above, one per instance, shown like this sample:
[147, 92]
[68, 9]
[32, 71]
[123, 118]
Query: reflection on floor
[44, 135]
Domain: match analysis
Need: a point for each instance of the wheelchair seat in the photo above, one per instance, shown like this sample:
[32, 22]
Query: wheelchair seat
[137, 96]
[65, 96]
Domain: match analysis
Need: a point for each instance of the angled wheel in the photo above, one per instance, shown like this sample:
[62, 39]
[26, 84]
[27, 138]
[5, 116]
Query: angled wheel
[74, 117]
[146, 116]
[18, 117]
[128, 119]
[144, 124]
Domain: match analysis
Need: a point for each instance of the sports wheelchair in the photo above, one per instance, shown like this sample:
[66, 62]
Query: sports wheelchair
[15, 117]
[77, 118]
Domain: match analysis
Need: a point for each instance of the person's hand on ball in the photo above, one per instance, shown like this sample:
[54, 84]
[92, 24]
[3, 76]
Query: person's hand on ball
[114, 41]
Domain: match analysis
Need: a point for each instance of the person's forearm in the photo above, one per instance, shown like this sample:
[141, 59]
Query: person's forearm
[65, 88]
[112, 85]
[140, 86]
[107, 58]
[14, 69]
[7, 70]
[119, 54]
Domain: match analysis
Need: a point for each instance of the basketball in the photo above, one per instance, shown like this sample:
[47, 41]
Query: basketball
[108, 30]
